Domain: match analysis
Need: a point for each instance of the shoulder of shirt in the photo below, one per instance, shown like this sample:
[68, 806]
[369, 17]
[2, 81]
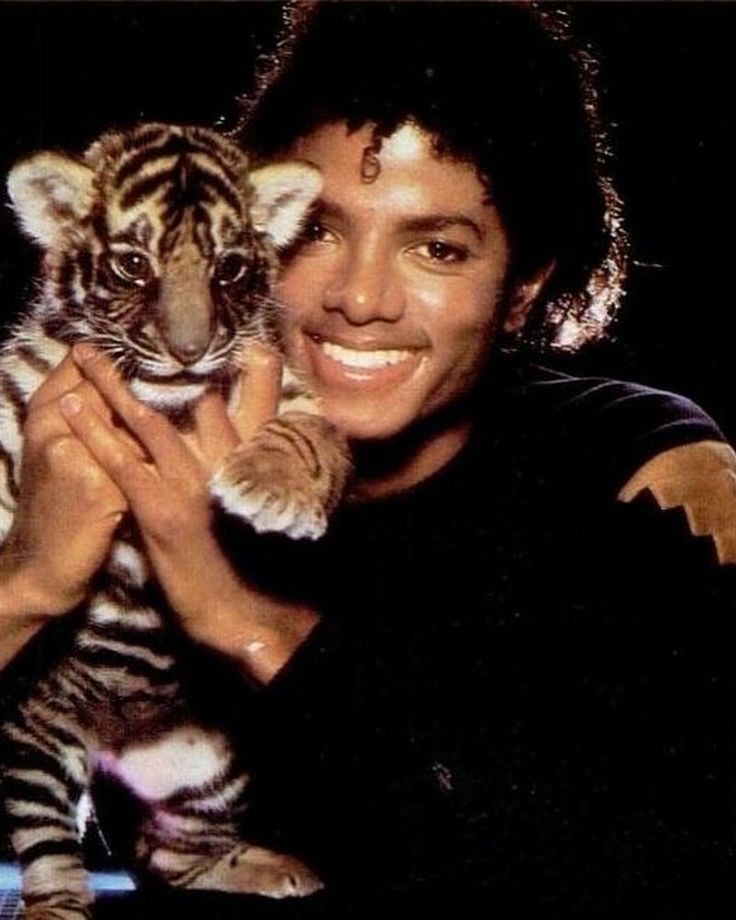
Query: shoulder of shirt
[662, 444]
[700, 479]
[619, 423]
[582, 396]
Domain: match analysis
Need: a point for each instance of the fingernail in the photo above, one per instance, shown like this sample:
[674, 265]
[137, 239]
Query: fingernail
[83, 353]
[71, 403]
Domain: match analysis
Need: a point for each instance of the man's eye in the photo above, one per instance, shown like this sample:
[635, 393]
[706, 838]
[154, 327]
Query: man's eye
[133, 267]
[315, 232]
[442, 252]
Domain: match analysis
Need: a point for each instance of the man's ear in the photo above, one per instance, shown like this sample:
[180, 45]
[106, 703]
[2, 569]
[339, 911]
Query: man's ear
[283, 194]
[523, 296]
[51, 193]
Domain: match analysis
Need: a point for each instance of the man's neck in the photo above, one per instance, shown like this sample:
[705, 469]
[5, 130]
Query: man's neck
[386, 469]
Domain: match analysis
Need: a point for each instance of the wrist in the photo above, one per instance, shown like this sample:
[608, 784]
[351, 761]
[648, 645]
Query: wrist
[20, 604]
[25, 598]
[219, 609]
[22, 615]
[258, 632]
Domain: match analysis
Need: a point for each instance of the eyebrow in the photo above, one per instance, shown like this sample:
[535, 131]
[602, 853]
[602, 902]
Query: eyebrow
[438, 222]
[426, 223]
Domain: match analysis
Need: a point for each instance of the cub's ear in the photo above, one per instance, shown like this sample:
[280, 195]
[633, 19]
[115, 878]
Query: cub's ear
[50, 193]
[283, 193]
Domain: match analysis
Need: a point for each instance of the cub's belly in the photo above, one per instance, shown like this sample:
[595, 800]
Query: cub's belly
[187, 757]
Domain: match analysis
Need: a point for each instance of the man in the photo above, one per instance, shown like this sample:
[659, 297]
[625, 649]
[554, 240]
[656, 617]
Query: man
[504, 679]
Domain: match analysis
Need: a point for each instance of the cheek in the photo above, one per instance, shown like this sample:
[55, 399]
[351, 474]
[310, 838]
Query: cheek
[429, 296]
[462, 350]
[459, 315]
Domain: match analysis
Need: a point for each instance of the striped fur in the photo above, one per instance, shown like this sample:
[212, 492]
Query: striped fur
[160, 248]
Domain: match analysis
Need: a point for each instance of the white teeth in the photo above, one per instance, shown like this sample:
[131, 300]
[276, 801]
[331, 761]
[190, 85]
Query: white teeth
[365, 359]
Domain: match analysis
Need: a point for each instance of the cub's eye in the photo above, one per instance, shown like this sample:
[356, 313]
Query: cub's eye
[230, 268]
[133, 267]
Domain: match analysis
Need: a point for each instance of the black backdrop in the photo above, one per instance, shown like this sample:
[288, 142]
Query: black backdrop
[669, 74]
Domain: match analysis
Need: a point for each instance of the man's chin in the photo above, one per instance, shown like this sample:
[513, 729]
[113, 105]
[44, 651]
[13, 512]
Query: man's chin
[372, 428]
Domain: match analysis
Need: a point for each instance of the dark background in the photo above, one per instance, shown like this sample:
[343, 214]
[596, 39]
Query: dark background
[67, 70]
[668, 72]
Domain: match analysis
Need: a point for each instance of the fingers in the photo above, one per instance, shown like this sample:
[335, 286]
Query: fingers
[45, 422]
[156, 433]
[259, 392]
[71, 466]
[62, 379]
[116, 457]
[214, 436]
[217, 434]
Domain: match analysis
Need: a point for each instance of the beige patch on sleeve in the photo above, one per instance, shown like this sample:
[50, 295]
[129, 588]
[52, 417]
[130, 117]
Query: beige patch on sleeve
[700, 478]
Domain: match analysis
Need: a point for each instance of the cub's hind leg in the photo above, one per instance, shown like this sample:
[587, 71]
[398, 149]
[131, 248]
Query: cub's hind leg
[46, 772]
[190, 839]
[231, 865]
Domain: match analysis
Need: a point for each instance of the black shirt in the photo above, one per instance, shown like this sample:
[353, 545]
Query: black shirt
[519, 700]
[520, 697]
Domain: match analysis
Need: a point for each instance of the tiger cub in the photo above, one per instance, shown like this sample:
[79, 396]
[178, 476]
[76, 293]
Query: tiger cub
[160, 248]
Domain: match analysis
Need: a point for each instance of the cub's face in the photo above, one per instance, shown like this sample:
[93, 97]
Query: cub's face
[160, 248]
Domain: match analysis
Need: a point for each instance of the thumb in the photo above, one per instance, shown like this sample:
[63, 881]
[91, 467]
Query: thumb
[260, 390]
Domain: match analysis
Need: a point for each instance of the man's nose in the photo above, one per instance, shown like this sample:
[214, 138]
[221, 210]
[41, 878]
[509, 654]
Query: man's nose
[365, 290]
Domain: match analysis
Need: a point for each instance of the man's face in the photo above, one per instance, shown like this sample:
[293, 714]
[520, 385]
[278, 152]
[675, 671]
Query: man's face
[398, 288]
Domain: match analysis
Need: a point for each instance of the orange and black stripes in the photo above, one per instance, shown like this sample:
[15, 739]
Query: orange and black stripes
[179, 199]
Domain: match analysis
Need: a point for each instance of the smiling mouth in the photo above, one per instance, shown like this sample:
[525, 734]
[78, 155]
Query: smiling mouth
[366, 359]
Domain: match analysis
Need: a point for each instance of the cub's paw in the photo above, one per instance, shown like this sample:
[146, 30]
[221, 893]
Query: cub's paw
[287, 479]
[63, 910]
[254, 870]
[270, 492]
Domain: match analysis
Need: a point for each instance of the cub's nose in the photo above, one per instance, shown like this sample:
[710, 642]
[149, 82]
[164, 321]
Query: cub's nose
[188, 351]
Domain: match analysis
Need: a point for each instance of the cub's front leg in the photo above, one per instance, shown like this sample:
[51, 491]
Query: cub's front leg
[288, 478]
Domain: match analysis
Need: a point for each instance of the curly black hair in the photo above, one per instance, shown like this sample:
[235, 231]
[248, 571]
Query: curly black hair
[500, 85]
